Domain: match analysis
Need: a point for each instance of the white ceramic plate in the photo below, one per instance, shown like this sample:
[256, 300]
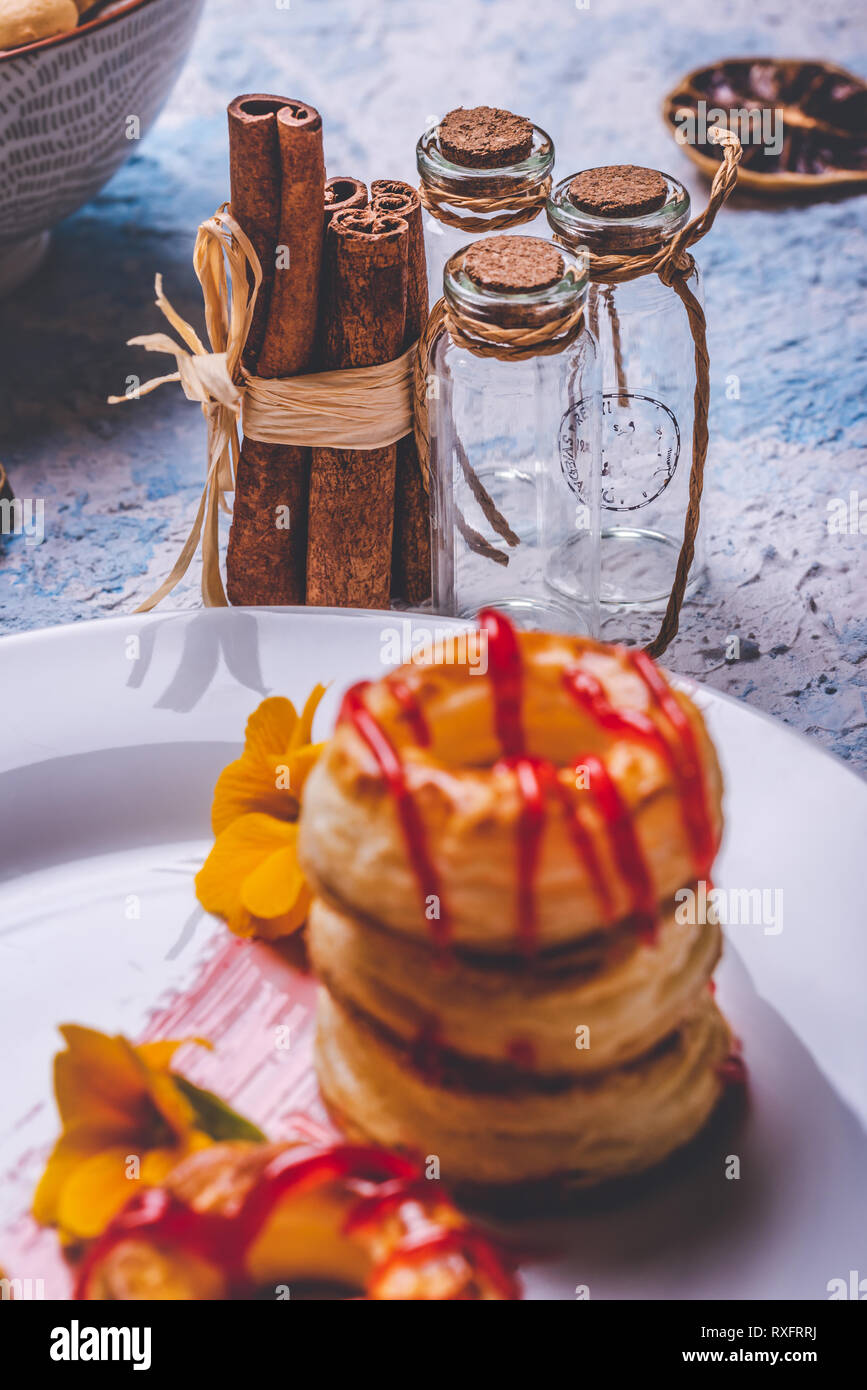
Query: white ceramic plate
[114, 735]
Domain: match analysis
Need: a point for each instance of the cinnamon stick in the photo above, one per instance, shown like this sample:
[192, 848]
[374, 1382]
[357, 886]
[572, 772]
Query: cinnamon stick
[351, 512]
[277, 188]
[255, 181]
[343, 192]
[411, 566]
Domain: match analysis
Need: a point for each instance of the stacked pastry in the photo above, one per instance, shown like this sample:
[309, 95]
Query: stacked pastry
[509, 982]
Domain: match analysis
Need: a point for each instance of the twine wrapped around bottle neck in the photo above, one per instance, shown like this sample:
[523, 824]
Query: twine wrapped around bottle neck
[485, 212]
[509, 344]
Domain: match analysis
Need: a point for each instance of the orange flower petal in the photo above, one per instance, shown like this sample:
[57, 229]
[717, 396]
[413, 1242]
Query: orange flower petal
[98, 1080]
[272, 889]
[159, 1055]
[95, 1192]
[301, 764]
[248, 786]
[240, 923]
[272, 928]
[303, 731]
[174, 1107]
[71, 1150]
[238, 852]
[269, 728]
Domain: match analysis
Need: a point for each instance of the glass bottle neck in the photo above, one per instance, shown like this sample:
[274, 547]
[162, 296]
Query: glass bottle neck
[514, 309]
[578, 229]
[443, 177]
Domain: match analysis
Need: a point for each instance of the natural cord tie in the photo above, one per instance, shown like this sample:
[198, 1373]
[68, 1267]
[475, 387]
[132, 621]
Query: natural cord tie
[473, 213]
[483, 340]
[511, 344]
[674, 265]
[358, 408]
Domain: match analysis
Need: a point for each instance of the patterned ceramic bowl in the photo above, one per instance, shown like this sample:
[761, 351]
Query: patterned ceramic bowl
[72, 109]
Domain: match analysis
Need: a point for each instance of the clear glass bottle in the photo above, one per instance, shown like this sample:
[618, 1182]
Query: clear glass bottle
[648, 383]
[492, 419]
[515, 181]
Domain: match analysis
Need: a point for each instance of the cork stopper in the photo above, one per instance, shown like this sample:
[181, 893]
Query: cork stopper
[485, 137]
[519, 264]
[618, 190]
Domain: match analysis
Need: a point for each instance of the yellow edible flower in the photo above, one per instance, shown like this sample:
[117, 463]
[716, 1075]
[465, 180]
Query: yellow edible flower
[251, 877]
[125, 1118]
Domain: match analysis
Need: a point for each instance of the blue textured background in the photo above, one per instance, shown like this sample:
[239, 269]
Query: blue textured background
[784, 289]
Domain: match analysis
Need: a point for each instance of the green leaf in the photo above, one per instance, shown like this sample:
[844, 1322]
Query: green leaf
[215, 1117]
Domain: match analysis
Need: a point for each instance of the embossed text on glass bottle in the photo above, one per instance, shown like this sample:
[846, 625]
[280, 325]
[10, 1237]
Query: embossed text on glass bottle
[648, 385]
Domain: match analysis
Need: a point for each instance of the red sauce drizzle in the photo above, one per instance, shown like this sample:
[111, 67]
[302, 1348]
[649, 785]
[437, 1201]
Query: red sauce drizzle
[584, 847]
[624, 842]
[426, 1051]
[522, 1052]
[587, 691]
[388, 1196]
[680, 751]
[733, 1071]
[299, 1172]
[159, 1217]
[354, 711]
[684, 755]
[506, 673]
[411, 709]
[529, 773]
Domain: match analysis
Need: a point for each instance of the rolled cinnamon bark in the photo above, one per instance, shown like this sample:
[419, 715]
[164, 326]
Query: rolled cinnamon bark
[277, 189]
[255, 180]
[343, 192]
[351, 512]
[411, 570]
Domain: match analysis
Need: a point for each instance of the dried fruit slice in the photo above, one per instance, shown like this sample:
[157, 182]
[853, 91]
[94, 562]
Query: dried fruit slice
[819, 110]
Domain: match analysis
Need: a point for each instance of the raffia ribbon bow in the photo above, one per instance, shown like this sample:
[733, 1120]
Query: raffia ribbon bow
[361, 408]
[221, 257]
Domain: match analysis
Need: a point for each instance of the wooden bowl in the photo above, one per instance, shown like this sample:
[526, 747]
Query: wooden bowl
[824, 121]
[65, 104]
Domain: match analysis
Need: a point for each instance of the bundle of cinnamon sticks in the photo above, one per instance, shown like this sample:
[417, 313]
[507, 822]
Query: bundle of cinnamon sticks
[344, 284]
